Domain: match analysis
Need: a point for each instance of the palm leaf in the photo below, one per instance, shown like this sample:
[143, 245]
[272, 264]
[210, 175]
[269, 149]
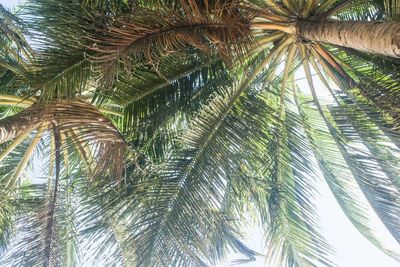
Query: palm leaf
[339, 178]
[152, 34]
[378, 87]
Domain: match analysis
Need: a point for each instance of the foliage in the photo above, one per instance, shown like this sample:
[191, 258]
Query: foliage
[165, 126]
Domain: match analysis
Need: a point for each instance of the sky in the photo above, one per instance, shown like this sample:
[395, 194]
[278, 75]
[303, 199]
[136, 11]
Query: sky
[352, 249]
[9, 3]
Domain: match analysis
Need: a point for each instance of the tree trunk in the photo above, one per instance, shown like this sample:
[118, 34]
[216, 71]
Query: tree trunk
[372, 37]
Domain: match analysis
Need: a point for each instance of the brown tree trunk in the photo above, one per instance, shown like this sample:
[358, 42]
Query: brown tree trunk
[368, 36]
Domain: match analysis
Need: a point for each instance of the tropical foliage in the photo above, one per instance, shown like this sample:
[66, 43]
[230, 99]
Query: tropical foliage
[160, 128]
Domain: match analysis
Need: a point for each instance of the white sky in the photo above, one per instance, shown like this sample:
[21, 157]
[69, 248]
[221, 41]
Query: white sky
[9, 3]
[352, 249]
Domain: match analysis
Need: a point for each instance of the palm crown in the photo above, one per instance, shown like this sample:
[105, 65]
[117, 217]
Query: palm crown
[163, 126]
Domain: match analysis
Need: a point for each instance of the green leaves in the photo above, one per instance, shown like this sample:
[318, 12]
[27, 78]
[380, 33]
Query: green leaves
[377, 82]
[61, 68]
[13, 33]
[380, 188]
[292, 224]
[392, 8]
[347, 180]
[191, 190]
[204, 132]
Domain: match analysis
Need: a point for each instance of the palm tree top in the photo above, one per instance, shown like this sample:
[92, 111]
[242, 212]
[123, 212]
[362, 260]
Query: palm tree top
[165, 126]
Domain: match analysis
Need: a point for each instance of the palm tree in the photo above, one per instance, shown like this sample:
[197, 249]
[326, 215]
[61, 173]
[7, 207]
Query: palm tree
[163, 126]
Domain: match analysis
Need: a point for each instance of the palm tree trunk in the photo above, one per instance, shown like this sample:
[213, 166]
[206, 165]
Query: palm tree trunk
[372, 37]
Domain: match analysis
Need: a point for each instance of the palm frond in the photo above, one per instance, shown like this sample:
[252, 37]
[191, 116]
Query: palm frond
[292, 237]
[176, 100]
[340, 180]
[17, 203]
[191, 187]
[358, 10]
[378, 86]
[92, 130]
[61, 67]
[392, 8]
[190, 197]
[99, 213]
[178, 86]
[13, 32]
[378, 182]
[152, 34]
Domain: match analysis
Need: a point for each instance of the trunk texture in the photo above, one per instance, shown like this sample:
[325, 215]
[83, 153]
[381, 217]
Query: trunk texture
[372, 37]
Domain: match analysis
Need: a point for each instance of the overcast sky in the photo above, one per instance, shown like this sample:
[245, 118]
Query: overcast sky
[9, 3]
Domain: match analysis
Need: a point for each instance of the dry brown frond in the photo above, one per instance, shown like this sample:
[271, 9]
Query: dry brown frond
[94, 131]
[149, 35]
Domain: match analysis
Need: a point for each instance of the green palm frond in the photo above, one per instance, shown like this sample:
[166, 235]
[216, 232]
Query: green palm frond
[185, 199]
[14, 48]
[114, 7]
[175, 86]
[338, 177]
[380, 188]
[378, 86]
[372, 136]
[18, 204]
[16, 197]
[392, 8]
[187, 112]
[13, 32]
[293, 226]
[165, 111]
[341, 180]
[61, 67]
[182, 186]
[359, 162]
[105, 210]
[362, 10]
[99, 224]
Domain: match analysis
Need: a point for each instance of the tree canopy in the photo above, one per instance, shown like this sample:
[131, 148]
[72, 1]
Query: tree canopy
[165, 126]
